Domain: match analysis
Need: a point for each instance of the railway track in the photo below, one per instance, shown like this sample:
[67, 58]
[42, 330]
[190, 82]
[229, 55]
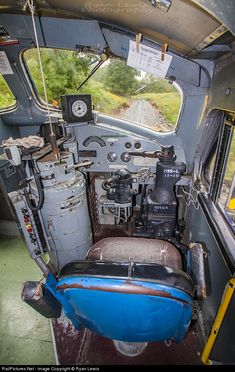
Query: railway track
[142, 112]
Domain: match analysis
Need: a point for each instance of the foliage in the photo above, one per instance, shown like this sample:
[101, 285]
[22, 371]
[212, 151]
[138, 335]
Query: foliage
[6, 97]
[104, 100]
[99, 75]
[63, 70]
[120, 78]
[167, 103]
[153, 84]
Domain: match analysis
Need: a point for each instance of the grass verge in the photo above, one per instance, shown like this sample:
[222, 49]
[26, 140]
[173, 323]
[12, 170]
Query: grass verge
[168, 104]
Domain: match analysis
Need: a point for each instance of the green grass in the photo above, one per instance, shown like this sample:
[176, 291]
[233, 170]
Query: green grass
[103, 100]
[6, 97]
[168, 104]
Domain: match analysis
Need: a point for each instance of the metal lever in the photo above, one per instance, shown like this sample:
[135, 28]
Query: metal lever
[86, 164]
[145, 154]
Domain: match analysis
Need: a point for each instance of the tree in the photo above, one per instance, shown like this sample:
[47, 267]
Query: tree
[120, 78]
[155, 84]
[6, 97]
[64, 71]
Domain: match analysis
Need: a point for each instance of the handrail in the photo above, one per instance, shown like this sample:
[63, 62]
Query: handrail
[226, 298]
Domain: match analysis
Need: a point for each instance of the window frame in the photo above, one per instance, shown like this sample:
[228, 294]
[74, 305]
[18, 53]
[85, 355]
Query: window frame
[222, 152]
[212, 154]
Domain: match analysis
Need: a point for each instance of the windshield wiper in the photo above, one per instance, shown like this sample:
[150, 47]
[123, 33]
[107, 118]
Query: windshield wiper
[103, 58]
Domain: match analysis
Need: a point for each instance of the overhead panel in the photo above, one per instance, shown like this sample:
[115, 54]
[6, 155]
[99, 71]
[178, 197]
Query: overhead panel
[72, 33]
[21, 27]
[184, 26]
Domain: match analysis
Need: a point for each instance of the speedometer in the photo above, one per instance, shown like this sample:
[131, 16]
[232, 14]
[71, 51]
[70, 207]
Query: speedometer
[76, 108]
[79, 108]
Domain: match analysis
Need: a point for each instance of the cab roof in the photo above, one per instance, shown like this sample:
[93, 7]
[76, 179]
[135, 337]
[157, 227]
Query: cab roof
[191, 28]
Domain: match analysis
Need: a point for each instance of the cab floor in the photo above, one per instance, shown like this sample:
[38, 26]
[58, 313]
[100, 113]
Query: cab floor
[25, 335]
[84, 347]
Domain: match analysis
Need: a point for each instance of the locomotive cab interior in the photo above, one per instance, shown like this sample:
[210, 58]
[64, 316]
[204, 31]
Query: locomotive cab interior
[132, 225]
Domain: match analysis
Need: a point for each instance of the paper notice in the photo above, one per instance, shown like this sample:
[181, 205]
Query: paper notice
[148, 60]
[5, 67]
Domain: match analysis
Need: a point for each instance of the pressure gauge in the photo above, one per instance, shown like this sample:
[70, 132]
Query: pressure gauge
[76, 108]
[125, 157]
[112, 157]
[79, 108]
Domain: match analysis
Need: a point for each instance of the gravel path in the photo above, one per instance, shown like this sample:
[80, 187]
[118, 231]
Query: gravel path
[142, 112]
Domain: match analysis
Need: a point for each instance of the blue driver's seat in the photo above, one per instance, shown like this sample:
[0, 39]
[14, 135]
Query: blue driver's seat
[130, 289]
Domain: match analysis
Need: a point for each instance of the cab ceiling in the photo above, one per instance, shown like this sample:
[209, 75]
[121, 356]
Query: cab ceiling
[185, 26]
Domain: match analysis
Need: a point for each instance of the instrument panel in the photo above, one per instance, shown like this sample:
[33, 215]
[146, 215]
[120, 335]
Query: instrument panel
[109, 149]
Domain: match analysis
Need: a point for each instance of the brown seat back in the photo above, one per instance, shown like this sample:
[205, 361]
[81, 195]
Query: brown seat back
[123, 249]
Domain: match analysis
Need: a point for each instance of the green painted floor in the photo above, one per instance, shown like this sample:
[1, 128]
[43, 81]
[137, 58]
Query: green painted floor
[25, 335]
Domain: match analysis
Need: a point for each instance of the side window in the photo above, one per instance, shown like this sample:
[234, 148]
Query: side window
[226, 198]
[220, 171]
[7, 99]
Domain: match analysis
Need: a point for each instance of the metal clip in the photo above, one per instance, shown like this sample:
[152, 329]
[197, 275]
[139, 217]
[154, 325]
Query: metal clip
[138, 39]
[162, 4]
[164, 49]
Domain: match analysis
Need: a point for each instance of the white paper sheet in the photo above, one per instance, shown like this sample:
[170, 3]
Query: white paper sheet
[148, 59]
[5, 67]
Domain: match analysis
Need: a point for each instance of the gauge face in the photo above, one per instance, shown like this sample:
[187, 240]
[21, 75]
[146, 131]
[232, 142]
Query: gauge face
[112, 157]
[125, 157]
[79, 108]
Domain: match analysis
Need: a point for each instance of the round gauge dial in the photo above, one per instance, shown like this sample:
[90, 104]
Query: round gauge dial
[112, 157]
[125, 157]
[79, 108]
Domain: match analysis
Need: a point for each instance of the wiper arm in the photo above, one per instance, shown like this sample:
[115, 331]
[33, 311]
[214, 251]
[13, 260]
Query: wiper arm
[103, 58]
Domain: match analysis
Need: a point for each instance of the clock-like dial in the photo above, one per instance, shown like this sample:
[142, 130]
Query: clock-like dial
[79, 108]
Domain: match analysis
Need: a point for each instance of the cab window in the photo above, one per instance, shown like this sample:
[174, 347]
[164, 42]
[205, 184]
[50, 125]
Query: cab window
[226, 198]
[116, 88]
[7, 99]
[220, 171]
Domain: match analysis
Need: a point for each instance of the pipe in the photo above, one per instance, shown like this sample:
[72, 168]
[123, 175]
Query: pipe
[84, 164]
[227, 296]
[40, 194]
[42, 265]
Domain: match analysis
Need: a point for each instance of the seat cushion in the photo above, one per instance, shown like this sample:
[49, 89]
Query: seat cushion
[141, 250]
[131, 302]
